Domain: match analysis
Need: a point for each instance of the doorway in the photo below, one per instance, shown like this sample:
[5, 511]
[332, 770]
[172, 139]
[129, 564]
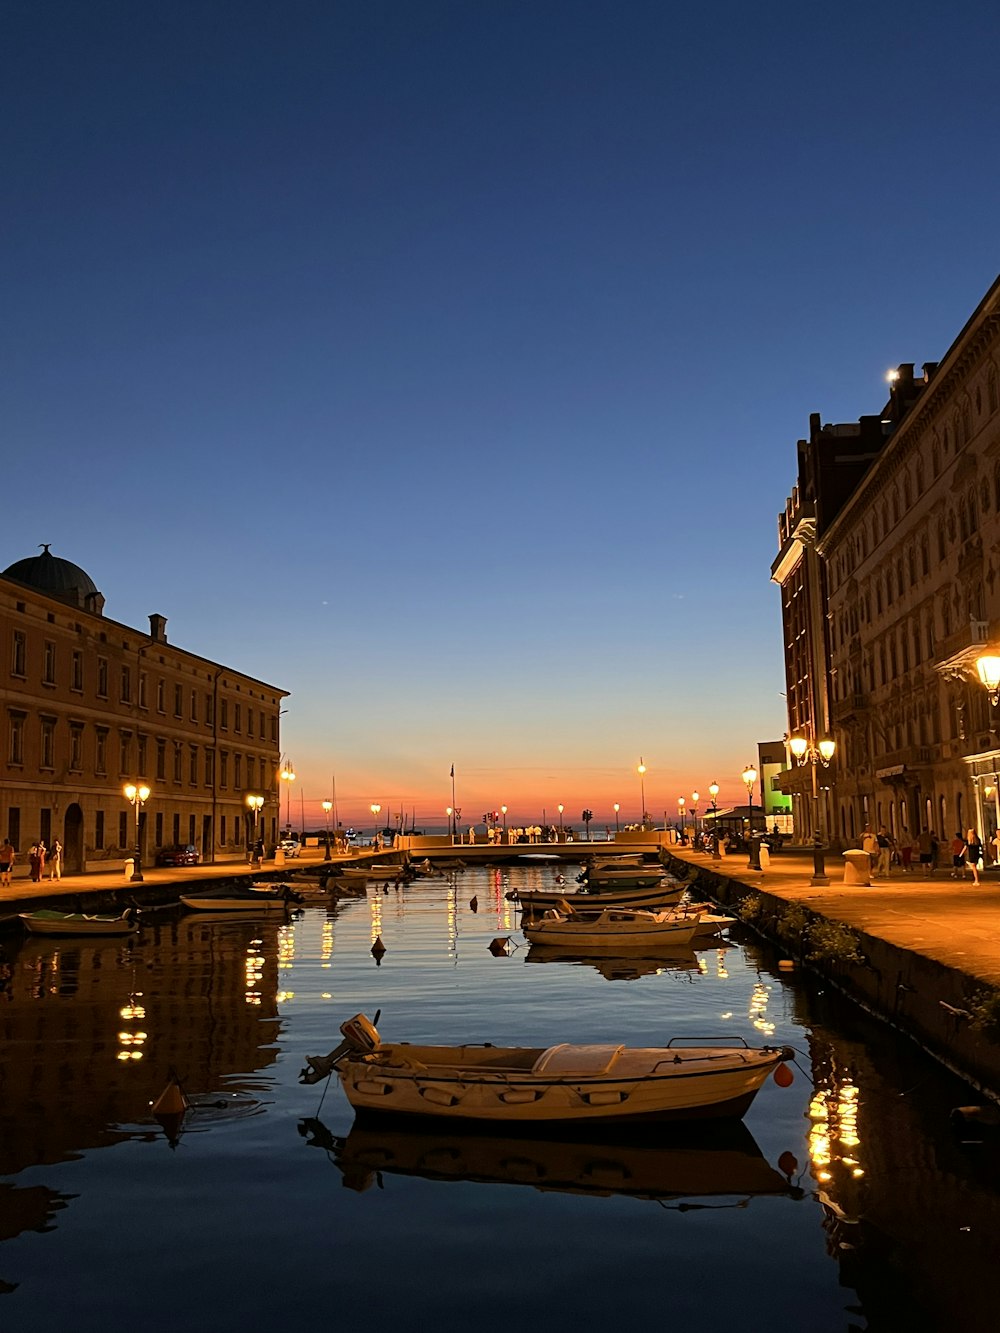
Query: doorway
[72, 840]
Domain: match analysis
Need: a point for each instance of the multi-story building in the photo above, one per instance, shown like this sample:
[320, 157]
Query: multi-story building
[90, 705]
[904, 599]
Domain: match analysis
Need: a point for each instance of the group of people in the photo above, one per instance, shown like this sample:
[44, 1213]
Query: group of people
[966, 851]
[39, 857]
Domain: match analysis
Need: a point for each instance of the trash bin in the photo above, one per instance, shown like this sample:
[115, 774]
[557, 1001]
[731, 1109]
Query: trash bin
[765, 855]
[279, 857]
[129, 867]
[857, 868]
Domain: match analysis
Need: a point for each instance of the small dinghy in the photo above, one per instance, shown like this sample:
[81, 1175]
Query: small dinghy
[565, 1083]
[242, 898]
[47, 922]
[610, 929]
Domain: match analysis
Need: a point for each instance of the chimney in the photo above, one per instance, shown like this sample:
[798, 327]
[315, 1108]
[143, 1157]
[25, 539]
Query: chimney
[158, 629]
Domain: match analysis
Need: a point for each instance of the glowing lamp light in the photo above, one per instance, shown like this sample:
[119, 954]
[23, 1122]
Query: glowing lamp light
[989, 674]
[797, 745]
[826, 749]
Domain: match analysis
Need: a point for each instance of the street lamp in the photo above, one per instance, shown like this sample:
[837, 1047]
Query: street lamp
[255, 803]
[138, 796]
[288, 777]
[503, 811]
[642, 789]
[327, 807]
[560, 808]
[989, 674]
[813, 755]
[451, 822]
[680, 815]
[749, 778]
[616, 808]
[713, 791]
[694, 815]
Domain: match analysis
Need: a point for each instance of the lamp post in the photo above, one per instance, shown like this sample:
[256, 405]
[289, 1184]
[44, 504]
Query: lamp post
[449, 811]
[255, 803]
[376, 810]
[327, 807]
[616, 807]
[813, 755]
[288, 777]
[642, 789]
[694, 815]
[560, 808]
[137, 795]
[713, 791]
[989, 673]
[503, 811]
[749, 779]
[680, 815]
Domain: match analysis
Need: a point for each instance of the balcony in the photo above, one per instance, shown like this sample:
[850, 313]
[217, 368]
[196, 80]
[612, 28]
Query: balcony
[958, 652]
[851, 707]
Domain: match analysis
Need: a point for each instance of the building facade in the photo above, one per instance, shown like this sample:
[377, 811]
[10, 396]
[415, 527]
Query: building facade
[90, 705]
[891, 593]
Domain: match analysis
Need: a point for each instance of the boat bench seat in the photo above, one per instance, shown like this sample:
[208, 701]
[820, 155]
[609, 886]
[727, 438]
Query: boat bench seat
[567, 1059]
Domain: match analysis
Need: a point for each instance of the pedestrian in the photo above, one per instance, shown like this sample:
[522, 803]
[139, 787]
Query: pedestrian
[925, 850]
[7, 859]
[35, 861]
[905, 849]
[54, 860]
[869, 844]
[958, 857]
[973, 853]
[884, 851]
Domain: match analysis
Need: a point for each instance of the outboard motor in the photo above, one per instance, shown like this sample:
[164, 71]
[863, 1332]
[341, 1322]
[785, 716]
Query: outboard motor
[360, 1038]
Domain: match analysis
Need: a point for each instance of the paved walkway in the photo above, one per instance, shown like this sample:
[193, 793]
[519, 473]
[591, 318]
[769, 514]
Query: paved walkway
[952, 921]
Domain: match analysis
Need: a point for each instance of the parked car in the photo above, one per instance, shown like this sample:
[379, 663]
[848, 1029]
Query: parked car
[184, 854]
[290, 846]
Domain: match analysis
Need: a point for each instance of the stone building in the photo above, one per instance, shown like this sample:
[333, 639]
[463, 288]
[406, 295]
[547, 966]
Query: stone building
[888, 566]
[90, 705]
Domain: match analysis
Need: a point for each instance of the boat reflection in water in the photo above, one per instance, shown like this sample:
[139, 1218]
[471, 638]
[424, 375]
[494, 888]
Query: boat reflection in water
[625, 968]
[696, 1163]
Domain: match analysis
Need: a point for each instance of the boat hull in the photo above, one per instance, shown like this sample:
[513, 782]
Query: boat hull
[662, 1084]
[257, 902]
[77, 923]
[610, 937]
[654, 899]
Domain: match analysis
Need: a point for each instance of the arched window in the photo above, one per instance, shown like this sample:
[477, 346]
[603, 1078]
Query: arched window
[966, 422]
[992, 392]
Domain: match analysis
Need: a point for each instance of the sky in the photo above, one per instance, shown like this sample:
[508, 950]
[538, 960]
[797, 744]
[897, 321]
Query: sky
[443, 363]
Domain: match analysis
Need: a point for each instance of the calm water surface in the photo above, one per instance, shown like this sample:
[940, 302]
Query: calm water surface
[847, 1206]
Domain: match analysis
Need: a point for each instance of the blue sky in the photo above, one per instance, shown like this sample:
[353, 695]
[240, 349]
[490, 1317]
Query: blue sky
[443, 363]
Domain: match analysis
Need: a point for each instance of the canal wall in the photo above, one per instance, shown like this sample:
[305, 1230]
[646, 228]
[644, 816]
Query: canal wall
[951, 1013]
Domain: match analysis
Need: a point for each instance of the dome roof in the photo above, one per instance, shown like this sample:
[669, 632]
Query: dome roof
[52, 575]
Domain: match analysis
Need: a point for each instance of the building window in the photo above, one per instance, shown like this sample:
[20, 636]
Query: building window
[194, 705]
[991, 390]
[250, 770]
[76, 680]
[177, 829]
[141, 762]
[209, 768]
[16, 749]
[224, 715]
[76, 746]
[101, 752]
[124, 752]
[125, 694]
[102, 677]
[161, 695]
[250, 722]
[178, 700]
[142, 689]
[237, 771]
[222, 832]
[191, 828]
[237, 718]
[193, 765]
[274, 731]
[49, 663]
[19, 655]
[209, 710]
[99, 831]
[178, 763]
[48, 742]
[123, 829]
[161, 759]
[159, 828]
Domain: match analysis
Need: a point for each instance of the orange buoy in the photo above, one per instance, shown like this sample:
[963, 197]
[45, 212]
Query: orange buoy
[786, 965]
[378, 948]
[171, 1100]
[498, 947]
[474, 903]
[783, 1076]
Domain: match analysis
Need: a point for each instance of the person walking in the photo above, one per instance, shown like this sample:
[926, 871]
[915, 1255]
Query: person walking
[925, 850]
[54, 860]
[905, 848]
[884, 851]
[973, 853]
[36, 859]
[7, 859]
[958, 857]
[869, 844]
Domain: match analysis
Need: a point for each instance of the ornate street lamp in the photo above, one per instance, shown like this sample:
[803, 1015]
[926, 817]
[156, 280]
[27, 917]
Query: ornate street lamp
[642, 789]
[680, 816]
[503, 811]
[694, 815]
[749, 779]
[713, 791]
[449, 811]
[814, 755]
[137, 795]
[616, 807]
[560, 808]
[989, 674]
[327, 807]
[255, 803]
[288, 777]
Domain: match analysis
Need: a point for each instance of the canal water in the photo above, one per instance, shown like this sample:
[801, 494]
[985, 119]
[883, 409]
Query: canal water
[842, 1202]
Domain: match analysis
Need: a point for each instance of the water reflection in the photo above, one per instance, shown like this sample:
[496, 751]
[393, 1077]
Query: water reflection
[626, 968]
[723, 1162]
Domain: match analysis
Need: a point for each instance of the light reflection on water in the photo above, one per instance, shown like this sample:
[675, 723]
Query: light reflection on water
[272, 1205]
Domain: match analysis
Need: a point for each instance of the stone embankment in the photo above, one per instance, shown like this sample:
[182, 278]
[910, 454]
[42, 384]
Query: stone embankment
[921, 953]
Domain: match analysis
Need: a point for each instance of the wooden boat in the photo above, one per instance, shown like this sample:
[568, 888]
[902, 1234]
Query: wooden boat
[563, 1084]
[653, 899]
[47, 922]
[611, 929]
[240, 898]
[693, 1164]
[638, 876]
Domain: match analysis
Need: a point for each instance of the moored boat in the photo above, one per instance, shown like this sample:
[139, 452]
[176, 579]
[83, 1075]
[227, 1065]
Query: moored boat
[566, 1083]
[635, 876]
[654, 898]
[45, 921]
[613, 929]
[242, 898]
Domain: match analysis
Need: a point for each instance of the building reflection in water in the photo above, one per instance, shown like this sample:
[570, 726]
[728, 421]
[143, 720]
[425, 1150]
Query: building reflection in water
[91, 1030]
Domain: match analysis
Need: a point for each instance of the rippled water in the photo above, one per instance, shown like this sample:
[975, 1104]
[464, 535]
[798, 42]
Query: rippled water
[851, 1206]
